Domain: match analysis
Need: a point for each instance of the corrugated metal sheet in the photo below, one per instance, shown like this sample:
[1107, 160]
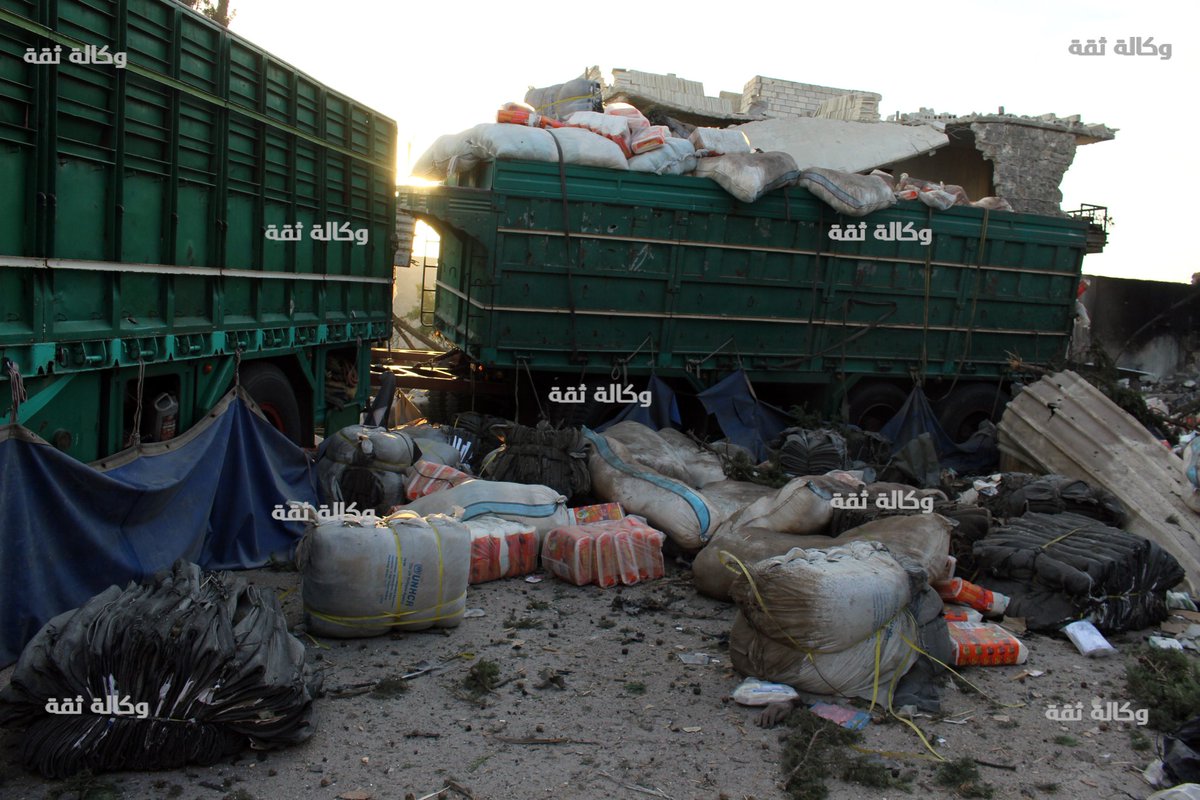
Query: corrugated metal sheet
[1063, 424]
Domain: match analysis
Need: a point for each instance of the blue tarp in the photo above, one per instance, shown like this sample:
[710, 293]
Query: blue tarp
[743, 419]
[916, 418]
[69, 530]
[662, 413]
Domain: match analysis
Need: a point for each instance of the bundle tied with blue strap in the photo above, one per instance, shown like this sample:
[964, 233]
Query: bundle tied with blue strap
[671, 506]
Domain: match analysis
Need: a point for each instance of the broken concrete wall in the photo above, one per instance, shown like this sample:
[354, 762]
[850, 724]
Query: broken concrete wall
[1029, 163]
[779, 98]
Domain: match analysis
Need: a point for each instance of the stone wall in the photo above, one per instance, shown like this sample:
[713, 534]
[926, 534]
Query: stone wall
[1028, 163]
[668, 89]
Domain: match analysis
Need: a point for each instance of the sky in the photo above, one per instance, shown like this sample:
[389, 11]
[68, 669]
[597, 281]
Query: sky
[442, 67]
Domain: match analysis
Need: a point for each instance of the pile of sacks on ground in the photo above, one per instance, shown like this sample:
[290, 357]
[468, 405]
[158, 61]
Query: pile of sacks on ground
[415, 528]
[568, 123]
[843, 587]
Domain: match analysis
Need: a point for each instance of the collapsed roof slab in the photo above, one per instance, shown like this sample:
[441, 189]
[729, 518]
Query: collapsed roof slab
[838, 144]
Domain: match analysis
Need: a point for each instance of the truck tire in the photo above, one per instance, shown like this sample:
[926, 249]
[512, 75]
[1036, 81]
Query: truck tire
[969, 405]
[273, 392]
[873, 404]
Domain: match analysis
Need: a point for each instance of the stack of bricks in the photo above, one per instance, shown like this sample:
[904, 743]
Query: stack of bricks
[852, 106]
[669, 90]
[779, 98]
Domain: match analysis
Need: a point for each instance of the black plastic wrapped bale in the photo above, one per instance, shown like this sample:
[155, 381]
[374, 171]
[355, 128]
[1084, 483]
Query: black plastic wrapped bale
[1057, 568]
[545, 456]
[811, 452]
[1021, 492]
[208, 655]
[480, 432]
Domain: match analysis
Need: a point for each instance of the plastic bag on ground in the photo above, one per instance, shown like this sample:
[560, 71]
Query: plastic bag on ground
[675, 157]
[209, 656]
[406, 573]
[748, 176]
[852, 194]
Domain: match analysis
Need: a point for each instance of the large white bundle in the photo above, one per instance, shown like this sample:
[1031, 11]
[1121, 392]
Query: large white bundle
[823, 600]
[539, 506]
[802, 505]
[364, 465]
[649, 449]
[719, 141]
[748, 176]
[849, 193]
[848, 673]
[670, 506]
[730, 497]
[490, 141]
[703, 466]
[365, 579]
[675, 157]
[611, 126]
[922, 539]
[580, 146]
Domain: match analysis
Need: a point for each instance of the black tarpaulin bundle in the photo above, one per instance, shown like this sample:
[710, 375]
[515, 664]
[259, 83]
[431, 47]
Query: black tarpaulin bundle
[545, 456]
[811, 452]
[1020, 492]
[208, 655]
[1057, 568]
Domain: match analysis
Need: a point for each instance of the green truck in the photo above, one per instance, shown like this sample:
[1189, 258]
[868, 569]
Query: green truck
[178, 206]
[573, 271]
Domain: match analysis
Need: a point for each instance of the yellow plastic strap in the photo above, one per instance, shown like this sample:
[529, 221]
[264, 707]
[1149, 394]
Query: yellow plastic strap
[1058, 539]
[373, 620]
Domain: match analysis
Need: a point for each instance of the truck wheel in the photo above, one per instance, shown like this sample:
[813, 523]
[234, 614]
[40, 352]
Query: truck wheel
[873, 404]
[271, 389]
[966, 407]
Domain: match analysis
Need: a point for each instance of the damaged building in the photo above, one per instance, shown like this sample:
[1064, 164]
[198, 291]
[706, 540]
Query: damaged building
[1019, 158]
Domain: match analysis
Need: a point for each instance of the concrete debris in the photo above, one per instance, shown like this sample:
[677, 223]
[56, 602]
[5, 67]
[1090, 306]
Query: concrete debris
[840, 145]
[1062, 424]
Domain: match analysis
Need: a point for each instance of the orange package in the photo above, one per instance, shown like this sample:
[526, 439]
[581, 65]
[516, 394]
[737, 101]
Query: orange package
[426, 478]
[585, 515]
[501, 548]
[605, 553]
[956, 590]
[568, 554]
[985, 644]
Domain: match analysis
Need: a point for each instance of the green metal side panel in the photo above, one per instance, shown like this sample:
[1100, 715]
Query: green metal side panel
[176, 164]
[134, 205]
[676, 267]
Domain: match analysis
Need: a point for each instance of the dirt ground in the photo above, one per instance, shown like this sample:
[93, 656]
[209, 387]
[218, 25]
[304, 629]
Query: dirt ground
[593, 701]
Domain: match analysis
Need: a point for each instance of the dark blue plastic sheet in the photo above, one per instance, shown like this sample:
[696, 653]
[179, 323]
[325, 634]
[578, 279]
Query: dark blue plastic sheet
[662, 413]
[69, 530]
[743, 418]
[916, 418]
